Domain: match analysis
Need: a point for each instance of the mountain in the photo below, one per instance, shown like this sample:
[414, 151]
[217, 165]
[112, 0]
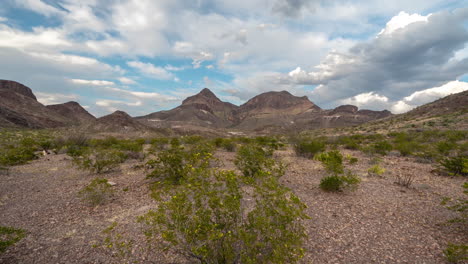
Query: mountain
[277, 109]
[203, 109]
[73, 112]
[265, 112]
[118, 121]
[20, 108]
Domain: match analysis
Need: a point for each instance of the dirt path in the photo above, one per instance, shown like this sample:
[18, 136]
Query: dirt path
[381, 222]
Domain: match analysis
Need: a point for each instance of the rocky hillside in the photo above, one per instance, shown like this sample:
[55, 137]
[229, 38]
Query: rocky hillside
[19, 108]
[118, 121]
[265, 112]
[203, 109]
[73, 112]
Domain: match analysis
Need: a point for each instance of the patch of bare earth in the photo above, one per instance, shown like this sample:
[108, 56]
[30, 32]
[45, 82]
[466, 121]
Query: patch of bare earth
[381, 222]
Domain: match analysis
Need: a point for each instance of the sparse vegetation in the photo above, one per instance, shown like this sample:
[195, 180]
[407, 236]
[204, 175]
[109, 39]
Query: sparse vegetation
[97, 192]
[10, 236]
[376, 170]
[457, 165]
[456, 253]
[308, 148]
[339, 182]
[253, 159]
[203, 220]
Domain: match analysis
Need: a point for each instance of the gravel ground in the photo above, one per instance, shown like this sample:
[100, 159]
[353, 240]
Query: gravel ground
[380, 222]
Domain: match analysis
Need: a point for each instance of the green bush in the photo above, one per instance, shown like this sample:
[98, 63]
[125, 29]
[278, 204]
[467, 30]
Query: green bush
[16, 155]
[382, 147]
[376, 170]
[456, 253]
[335, 183]
[99, 160]
[225, 143]
[457, 165]
[176, 163]
[332, 161]
[308, 148]
[98, 192]
[9, 236]
[251, 159]
[205, 221]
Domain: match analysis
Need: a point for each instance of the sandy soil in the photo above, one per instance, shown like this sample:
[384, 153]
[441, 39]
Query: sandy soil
[381, 222]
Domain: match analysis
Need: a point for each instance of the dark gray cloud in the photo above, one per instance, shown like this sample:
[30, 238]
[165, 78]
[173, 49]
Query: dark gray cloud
[396, 63]
[293, 8]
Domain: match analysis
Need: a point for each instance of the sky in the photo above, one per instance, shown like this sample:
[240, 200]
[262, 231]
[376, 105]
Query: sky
[143, 56]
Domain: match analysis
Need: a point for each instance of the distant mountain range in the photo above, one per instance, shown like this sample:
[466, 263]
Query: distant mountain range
[267, 112]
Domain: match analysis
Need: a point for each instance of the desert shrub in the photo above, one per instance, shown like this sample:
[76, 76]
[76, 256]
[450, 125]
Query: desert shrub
[382, 147]
[16, 155]
[349, 142]
[269, 142]
[376, 170]
[332, 161]
[351, 159]
[456, 253]
[445, 147]
[308, 148]
[404, 179]
[99, 160]
[251, 159]
[177, 162]
[205, 221]
[225, 143]
[457, 165]
[407, 148]
[97, 192]
[158, 143]
[10, 236]
[190, 140]
[335, 183]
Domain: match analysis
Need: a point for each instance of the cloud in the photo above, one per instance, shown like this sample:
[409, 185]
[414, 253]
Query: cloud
[372, 100]
[92, 82]
[411, 54]
[402, 20]
[39, 7]
[151, 70]
[126, 80]
[432, 94]
[55, 98]
[293, 8]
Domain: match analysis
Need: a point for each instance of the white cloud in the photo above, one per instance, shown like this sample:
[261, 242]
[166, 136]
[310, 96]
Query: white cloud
[368, 100]
[3, 19]
[39, 7]
[126, 80]
[92, 82]
[55, 98]
[432, 94]
[402, 20]
[151, 70]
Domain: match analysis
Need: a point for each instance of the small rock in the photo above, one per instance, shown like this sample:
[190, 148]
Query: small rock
[112, 183]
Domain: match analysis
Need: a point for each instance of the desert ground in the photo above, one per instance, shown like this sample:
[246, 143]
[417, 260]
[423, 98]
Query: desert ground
[380, 222]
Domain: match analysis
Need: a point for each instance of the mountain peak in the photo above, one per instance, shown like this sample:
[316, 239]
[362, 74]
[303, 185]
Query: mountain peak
[207, 92]
[205, 96]
[17, 87]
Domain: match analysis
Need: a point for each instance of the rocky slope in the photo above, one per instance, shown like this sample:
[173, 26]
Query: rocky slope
[203, 109]
[73, 112]
[265, 112]
[118, 121]
[20, 108]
